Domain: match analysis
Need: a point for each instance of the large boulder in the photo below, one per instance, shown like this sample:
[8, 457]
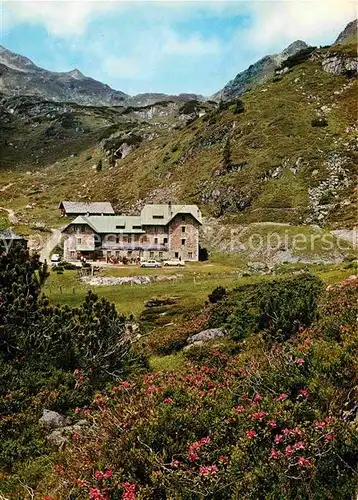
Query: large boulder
[59, 437]
[52, 419]
[205, 335]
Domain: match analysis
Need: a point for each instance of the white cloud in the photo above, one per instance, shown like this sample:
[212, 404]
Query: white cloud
[60, 18]
[289, 20]
[122, 67]
[194, 45]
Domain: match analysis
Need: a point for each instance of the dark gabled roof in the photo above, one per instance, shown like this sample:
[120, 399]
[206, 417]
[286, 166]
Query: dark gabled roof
[96, 207]
[9, 234]
[154, 215]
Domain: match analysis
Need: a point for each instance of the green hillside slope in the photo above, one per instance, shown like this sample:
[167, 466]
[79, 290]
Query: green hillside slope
[286, 155]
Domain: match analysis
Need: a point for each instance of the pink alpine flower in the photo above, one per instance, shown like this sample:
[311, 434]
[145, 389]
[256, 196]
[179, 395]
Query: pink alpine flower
[223, 459]
[103, 475]
[289, 451]
[304, 393]
[272, 423]
[329, 437]
[208, 470]
[240, 409]
[299, 446]
[258, 398]
[320, 425]
[300, 361]
[259, 415]
[96, 494]
[175, 463]
[251, 433]
[275, 454]
[278, 438]
[303, 462]
[168, 401]
[128, 491]
[282, 397]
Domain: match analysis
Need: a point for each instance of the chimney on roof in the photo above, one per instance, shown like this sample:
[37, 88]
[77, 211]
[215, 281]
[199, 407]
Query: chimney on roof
[170, 207]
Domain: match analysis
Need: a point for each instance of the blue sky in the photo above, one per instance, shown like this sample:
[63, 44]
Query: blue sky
[169, 47]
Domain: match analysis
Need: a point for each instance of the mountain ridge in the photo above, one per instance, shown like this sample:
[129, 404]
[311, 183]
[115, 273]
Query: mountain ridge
[21, 76]
[258, 72]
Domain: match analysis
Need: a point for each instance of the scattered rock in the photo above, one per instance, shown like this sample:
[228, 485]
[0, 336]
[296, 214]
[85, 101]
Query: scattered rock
[60, 437]
[52, 419]
[211, 334]
[127, 280]
[161, 301]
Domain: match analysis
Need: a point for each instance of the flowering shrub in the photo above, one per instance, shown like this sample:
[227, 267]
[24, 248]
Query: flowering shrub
[271, 421]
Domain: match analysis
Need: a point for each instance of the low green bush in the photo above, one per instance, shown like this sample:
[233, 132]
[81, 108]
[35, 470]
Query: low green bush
[278, 308]
[319, 122]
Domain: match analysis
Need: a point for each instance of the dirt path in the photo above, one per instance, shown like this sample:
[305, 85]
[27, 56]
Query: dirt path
[6, 187]
[11, 215]
[50, 244]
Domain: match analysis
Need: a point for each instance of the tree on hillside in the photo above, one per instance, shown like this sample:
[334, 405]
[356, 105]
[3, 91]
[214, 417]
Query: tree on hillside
[226, 163]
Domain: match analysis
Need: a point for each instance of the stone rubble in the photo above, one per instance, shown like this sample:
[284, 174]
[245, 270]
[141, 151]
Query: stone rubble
[127, 280]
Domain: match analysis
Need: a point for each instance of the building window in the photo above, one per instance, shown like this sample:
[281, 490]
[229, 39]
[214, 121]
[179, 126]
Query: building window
[183, 229]
[151, 255]
[129, 253]
[117, 239]
[156, 240]
[176, 255]
[183, 241]
[160, 255]
[165, 241]
[183, 217]
[79, 241]
[120, 227]
[158, 216]
[190, 255]
[129, 239]
[117, 255]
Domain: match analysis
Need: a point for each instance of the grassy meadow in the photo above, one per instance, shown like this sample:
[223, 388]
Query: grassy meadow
[192, 286]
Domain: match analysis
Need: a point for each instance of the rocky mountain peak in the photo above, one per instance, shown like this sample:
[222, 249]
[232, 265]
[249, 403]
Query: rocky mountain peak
[349, 34]
[259, 72]
[16, 61]
[76, 73]
[293, 48]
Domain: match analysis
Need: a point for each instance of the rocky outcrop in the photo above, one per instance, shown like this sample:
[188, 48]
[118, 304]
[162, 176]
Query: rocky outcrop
[339, 64]
[61, 436]
[52, 420]
[205, 335]
[324, 197]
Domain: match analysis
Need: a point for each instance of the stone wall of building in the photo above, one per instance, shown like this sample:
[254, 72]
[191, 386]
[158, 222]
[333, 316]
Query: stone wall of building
[78, 239]
[178, 240]
[184, 238]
